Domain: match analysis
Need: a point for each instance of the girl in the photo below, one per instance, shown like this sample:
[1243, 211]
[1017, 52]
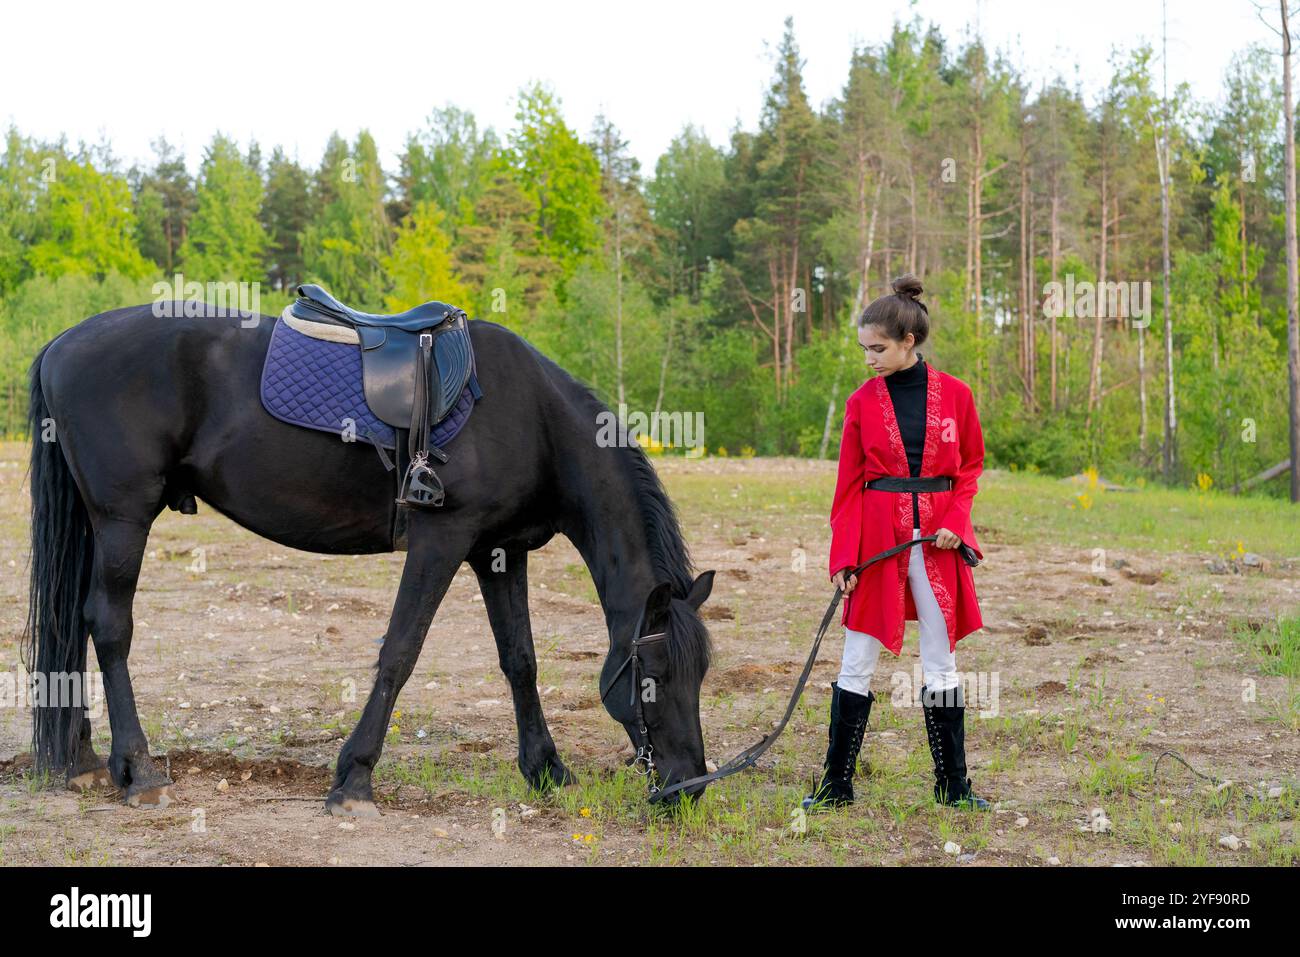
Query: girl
[911, 453]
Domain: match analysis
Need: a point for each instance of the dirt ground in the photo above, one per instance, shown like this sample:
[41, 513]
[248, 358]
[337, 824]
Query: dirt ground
[251, 661]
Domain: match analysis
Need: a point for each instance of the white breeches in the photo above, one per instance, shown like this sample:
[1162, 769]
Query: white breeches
[938, 662]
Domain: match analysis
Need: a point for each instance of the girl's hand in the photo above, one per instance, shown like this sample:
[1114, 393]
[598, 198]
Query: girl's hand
[838, 581]
[946, 539]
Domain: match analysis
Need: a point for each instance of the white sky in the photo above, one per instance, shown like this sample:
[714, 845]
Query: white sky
[290, 74]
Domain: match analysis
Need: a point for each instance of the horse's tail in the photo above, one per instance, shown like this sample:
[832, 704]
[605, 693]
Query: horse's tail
[55, 637]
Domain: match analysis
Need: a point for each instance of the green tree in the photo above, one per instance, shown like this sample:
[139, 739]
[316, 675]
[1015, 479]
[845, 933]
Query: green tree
[226, 238]
[344, 245]
[774, 265]
[686, 196]
[420, 267]
[90, 223]
[561, 174]
[286, 210]
[25, 169]
[447, 163]
[499, 252]
[165, 200]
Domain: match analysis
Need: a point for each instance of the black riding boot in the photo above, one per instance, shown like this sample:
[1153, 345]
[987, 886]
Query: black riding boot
[849, 713]
[945, 725]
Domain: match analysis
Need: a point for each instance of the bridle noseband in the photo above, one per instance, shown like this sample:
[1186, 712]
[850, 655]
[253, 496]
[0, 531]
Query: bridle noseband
[644, 762]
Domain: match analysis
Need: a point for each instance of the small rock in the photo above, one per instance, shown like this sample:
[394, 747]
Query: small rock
[1054, 861]
[951, 847]
[1099, 823]
[223, 785]
[1175, 827]
[1276, 792]
[1022, 822]
[246, 775]
[1230, 841]
[347, 826]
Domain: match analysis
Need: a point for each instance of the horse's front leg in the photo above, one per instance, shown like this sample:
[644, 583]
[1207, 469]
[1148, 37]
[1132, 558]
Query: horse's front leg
[505, 595]
[431, 563]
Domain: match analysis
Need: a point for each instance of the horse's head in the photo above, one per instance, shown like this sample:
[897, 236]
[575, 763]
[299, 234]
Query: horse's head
[651, 684]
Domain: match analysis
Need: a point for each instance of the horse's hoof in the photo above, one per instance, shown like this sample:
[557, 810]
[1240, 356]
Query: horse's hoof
[95, 778]
[160, 796]
[553, 774]
[352, 807]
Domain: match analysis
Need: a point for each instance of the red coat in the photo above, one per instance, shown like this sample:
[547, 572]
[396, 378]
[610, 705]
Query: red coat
[865, 521]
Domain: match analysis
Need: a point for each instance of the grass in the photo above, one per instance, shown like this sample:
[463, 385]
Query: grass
[1019, 507]
[1274, 644]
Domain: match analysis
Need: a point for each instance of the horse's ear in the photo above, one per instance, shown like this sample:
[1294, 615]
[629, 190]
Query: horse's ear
[701, 588]
[658, 601]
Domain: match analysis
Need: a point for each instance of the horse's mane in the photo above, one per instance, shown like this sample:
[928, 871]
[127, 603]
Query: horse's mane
[689, 647]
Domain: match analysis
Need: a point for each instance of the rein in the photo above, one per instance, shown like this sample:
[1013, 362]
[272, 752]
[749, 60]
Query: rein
[644, 761]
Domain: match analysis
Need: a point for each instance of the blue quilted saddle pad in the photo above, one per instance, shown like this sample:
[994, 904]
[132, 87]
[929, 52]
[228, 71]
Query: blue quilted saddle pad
[317, 384]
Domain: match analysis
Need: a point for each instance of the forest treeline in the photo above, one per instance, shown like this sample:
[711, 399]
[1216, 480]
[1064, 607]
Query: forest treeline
[727, 279]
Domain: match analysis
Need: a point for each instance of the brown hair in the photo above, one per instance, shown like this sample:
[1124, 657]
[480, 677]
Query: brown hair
[900, 313]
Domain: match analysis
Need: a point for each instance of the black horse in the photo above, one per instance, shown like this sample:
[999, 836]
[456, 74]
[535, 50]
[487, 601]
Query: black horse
[149, 413]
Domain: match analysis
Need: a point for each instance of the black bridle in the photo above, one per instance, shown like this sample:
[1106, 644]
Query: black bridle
[644, 761]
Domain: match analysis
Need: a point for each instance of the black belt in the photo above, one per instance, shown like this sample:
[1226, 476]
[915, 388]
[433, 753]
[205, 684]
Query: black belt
[899, 483]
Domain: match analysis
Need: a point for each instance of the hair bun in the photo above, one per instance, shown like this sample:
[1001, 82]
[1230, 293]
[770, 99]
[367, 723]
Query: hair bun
[908, 286]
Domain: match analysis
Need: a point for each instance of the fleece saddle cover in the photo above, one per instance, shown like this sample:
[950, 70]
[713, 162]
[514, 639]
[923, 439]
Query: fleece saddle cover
[317, 384]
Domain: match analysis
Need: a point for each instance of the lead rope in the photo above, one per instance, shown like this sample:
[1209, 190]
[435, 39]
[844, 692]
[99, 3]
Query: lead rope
[751, 754]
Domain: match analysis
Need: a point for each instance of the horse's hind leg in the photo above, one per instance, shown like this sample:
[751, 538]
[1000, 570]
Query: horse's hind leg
[89, 770]
[119, 551]
[505, 594]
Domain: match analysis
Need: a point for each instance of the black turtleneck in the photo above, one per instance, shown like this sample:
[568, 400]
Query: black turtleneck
[907, 390]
